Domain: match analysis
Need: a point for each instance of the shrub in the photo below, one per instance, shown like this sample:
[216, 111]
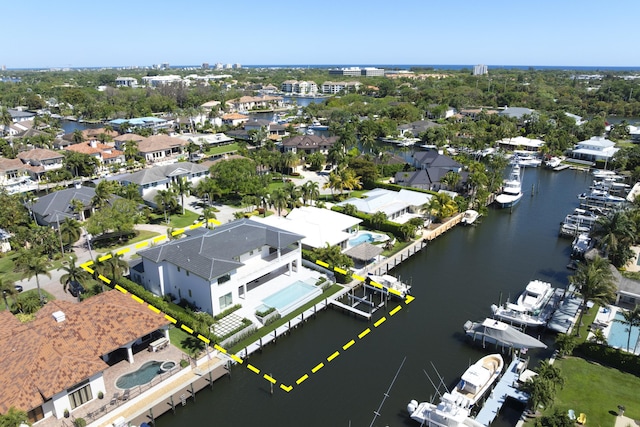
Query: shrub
[263, 313]
[79, 422]
[184, 363]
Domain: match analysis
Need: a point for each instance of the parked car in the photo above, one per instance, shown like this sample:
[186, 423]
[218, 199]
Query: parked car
[75, 288]
[18, 288]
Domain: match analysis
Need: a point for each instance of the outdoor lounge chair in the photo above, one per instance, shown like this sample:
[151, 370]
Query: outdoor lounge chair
[571, 414]
[582, 419]
[115, 398]
[125, 395]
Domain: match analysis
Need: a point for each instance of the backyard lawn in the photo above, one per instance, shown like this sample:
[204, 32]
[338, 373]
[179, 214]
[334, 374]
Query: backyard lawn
[597, 391]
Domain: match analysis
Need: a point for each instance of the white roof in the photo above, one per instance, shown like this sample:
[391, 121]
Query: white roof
[387, 201]
[522, 141]
[319, 226]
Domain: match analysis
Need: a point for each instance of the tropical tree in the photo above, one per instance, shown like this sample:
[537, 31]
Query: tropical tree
[166, 201]
[209, 188]
[551, 372]
[8, 290]
[377, 219]
[541, 392]
[631, 319]
[598, 336]
[595, 282]
[182, 186]
[441, 206]
[333, 256]
[34, 265]
[451, 180]
[14, 418]
[104, 192]
[114, 267]
[78, 208]
[69, 231]
[73, 273]
[208, 214]
[350, 181]
[616, 232]
[279, 199]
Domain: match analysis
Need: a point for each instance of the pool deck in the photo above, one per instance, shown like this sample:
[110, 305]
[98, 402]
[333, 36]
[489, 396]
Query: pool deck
[605, 319]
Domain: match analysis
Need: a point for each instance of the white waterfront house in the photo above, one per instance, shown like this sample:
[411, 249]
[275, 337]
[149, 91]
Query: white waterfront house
[398, 206]
[215, 269]
[597, 148]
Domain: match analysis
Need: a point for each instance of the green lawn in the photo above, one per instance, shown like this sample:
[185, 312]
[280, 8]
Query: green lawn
[175, 220]
[597, 391]
[214, 151]
[25, 294]
[140, 236]
[8, 268]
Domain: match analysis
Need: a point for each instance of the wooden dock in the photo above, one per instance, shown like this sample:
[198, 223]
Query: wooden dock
[561, 168]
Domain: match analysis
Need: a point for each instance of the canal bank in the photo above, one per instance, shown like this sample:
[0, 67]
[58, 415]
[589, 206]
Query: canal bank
[455, 278]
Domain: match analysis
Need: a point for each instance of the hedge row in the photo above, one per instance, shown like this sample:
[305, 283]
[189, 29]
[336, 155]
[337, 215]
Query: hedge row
[609, 356]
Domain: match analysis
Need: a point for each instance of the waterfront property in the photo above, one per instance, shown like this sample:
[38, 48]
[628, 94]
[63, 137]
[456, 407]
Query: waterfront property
[57, 362]
[398, 206]
[215, 269]
[595, 149]
[52, 209]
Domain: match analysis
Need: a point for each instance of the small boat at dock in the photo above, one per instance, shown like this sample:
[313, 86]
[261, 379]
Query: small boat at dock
[469, 217]
[511, 189]
[501, 334]
[529, 309]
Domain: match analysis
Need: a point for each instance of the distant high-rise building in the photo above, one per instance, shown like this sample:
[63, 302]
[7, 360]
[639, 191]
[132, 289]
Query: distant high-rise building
[237, 66]
[205, 65]
[228, 66]
[165, 66]
[480, 70]
[4, 68]
[218, 66]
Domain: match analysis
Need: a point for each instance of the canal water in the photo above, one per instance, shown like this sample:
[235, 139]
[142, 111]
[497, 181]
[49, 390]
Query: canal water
[455, 278]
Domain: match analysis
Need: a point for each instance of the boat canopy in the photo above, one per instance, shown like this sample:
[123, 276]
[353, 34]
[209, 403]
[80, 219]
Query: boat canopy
[503, 334]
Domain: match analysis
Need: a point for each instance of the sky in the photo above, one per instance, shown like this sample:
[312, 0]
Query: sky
[72, 33]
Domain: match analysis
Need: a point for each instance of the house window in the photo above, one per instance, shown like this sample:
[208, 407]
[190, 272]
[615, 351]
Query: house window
[81, 394]
[187, 273]
[190, 296]
[178, 269]
[35, 414]
[223, 279]
[225, 301]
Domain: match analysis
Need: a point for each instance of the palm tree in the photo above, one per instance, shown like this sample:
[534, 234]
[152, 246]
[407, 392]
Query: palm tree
[114, 268]
[73, 273]
[451, 180]
[334, 182]
[166, 200]
[551, 372]
[377, 219]
[8, 289]
[130, 149]
[540, 390]
[33, 264]
[69, 231]
[208, 214]
[350, 209]
[595, 282]
[350, 181]
[441, 206]
[182, 186]
[78, 208]
[279, 199]
[616, 233]
[631, 318]
[208, 187]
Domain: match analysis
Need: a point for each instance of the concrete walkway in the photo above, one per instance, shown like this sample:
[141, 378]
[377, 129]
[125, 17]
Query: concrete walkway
[622, 421]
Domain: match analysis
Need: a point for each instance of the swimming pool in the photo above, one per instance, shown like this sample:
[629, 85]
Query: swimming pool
[368, 237]
[618, 334]
[292, 296]
[145, 374]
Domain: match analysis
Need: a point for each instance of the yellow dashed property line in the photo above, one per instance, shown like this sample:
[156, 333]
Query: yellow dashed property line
[237, 359]
[339, 270]
[159, 239]
[175, 233]
[376, 285]
[408, 299]
[395, 310]
[105, 257]
[89, 270]
[215, 221]
[395, 292]
[220, 349]
[269, 378]
[302, 379]
[333, 356]
[322, 263]
[253, 368]
[204, 339]
[186, 328]
[136, 298]
[349, 344]
[380, 322]
[197, 225]
[317, 367]
[355, 276]
[170, 319]
[86, 264]
[104, 279]
[121, 289]
[142, 245]
[123, 251]
[152, 308]
[364, 333]
[286, 388]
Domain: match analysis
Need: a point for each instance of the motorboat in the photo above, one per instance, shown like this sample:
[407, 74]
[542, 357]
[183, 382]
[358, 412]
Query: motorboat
[581, 221]
[477, 380]
[601, 199]
[553, 162]
[511, 189]
[447, 413]
[529, 308]
[492, 331]
[601, 173]
[387, 283]
[580, 245]
[526, 160]
[316, 125]
[469, 217]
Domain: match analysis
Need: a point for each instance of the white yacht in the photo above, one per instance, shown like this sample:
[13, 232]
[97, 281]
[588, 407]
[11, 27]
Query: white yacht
[447, 413]
[553, 162]
[580, 245]
[528, 310]
[527, 160]
[511, 189]
[469, 217]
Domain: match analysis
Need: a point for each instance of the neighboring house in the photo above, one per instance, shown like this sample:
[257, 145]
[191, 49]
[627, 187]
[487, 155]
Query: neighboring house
[207, 140]
[215, 269]
[56, 362]
[264, 102]
[41, 160]
[416, 128]
[105, 154]
[433, 160]
[319, 226]
[432, 166]
[578, 119]
[126, 81]
[272, 128]
[150, 180]
[628, 290]
[120, 141]
[5, 245]
[634, 133]
[161, 148]
[435, 111]
[307, 144]
[12, 170]
[234, 119]
[424, 179]
[516, 112]
[53, 208]
[18, 116]
[597, 148]
[398, 206]
[521, 143]
[155, 81]
[299, 87]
